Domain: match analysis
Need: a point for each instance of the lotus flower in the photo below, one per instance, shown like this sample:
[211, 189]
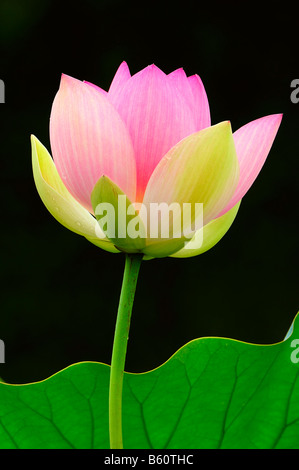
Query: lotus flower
[148, 139]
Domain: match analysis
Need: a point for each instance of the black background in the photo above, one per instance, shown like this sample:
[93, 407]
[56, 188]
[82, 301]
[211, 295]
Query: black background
[59, 294]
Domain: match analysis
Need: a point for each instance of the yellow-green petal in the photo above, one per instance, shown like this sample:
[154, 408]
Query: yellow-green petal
[209, 235]
[202, 168]
[59, 202]
[163, 247]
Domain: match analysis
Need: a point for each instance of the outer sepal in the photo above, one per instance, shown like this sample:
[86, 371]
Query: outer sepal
[209, 235]
[117, 216]
[59, 202]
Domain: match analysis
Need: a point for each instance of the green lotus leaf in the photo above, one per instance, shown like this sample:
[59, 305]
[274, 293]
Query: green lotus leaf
[212, 393]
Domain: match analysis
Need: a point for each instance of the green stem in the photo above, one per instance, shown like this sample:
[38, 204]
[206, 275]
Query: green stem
[132, 266]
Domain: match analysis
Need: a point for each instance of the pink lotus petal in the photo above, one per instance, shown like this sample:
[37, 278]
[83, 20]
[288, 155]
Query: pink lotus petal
[96, 87]
[120, 78]
[200, 103]
[157, 118]
[253, 143]
[180, 80]
[89, 139]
